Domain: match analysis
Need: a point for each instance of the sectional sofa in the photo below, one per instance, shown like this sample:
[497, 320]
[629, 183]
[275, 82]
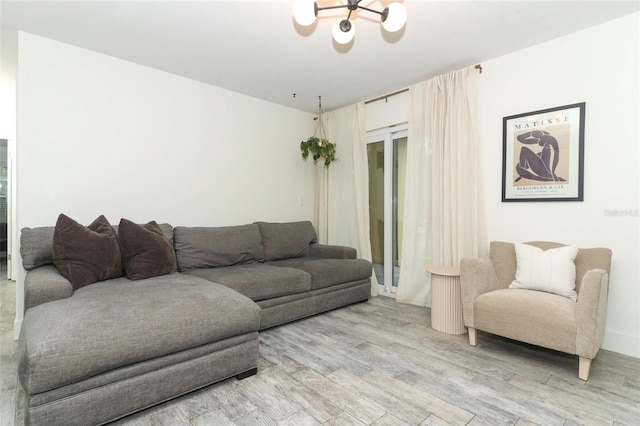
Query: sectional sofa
[181, 311]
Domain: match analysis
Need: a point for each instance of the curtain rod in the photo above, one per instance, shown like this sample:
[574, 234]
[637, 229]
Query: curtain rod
[388, 95]
[477, 66]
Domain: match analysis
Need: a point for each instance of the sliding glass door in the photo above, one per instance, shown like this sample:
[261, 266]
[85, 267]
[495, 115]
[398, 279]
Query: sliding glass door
[387, 155]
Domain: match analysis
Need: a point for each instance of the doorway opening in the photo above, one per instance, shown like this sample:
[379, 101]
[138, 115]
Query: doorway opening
[387, 157]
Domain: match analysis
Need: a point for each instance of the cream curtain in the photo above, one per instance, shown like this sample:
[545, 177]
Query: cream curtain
[444, 211]
[457, 205]
[413, 283]
[343, 191]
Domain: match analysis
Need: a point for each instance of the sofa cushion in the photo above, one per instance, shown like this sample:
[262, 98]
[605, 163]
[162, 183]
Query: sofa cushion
[286, 240]
[257, 280]
[539, 318]
[146, 251]
[329, 272]
[207, 247]
[552, 270]
[45, 284]
[118, 323]
[36, 247]
[85, 255]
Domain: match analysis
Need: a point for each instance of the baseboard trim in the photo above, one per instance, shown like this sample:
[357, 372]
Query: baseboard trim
[623, 343]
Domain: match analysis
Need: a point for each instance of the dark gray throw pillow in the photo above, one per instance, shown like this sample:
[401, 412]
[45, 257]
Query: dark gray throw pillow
[146, 251]
[86, 254]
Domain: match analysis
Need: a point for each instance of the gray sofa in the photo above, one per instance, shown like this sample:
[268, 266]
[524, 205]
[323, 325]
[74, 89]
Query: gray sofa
[118, 346]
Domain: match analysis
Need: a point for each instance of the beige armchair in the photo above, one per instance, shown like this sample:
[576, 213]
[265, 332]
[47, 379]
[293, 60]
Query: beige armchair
[537, 317]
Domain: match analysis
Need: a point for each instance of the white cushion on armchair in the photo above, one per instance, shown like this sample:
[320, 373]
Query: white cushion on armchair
[552, 270]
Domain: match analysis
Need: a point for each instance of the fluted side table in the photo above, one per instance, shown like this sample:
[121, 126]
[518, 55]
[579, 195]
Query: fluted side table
[446, 300]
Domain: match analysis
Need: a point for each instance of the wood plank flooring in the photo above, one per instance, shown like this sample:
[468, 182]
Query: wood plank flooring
[379, 363]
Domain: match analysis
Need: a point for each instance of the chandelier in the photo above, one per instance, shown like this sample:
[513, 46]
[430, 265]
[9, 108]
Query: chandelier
[393, 17]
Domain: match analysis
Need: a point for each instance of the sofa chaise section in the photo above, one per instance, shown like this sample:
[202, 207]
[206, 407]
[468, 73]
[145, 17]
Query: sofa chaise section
[114, 347]
[118, 346]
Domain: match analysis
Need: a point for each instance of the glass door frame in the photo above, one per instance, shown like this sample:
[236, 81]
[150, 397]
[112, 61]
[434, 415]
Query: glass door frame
[388, 135]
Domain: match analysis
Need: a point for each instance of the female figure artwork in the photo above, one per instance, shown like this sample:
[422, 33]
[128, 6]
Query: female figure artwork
[540, 166]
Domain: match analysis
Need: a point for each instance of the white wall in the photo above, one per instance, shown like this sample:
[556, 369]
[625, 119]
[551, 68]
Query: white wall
[102, 135]
[98, 135]
[599, 66]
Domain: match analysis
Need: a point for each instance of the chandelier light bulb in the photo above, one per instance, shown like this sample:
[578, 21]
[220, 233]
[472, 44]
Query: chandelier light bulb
[305, 12]
[395, 17]
[341, 36]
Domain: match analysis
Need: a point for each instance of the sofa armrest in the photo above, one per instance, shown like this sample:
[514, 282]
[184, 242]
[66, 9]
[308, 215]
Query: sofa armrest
[591, 312]
[332, 251]
[477, 277]
[45, 284]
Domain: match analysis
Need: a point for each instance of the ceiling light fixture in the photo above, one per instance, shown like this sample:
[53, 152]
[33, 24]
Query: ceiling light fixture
[305, 12]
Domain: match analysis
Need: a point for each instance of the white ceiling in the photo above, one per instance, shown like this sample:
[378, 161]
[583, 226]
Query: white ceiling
[255, 47]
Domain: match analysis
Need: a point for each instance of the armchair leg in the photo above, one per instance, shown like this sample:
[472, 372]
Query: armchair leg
[584, 368]
[473, 336]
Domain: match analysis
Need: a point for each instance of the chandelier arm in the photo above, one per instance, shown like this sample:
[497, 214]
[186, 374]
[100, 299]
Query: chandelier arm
[371, 10]
[340, 6]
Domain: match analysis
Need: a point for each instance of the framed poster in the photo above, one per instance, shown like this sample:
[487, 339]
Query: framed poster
[543, 155]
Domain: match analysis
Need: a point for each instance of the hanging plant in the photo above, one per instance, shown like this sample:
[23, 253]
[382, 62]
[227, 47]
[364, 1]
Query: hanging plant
[318, 148]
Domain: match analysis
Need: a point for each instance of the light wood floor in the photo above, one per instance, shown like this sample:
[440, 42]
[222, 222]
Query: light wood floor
[379, 363]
